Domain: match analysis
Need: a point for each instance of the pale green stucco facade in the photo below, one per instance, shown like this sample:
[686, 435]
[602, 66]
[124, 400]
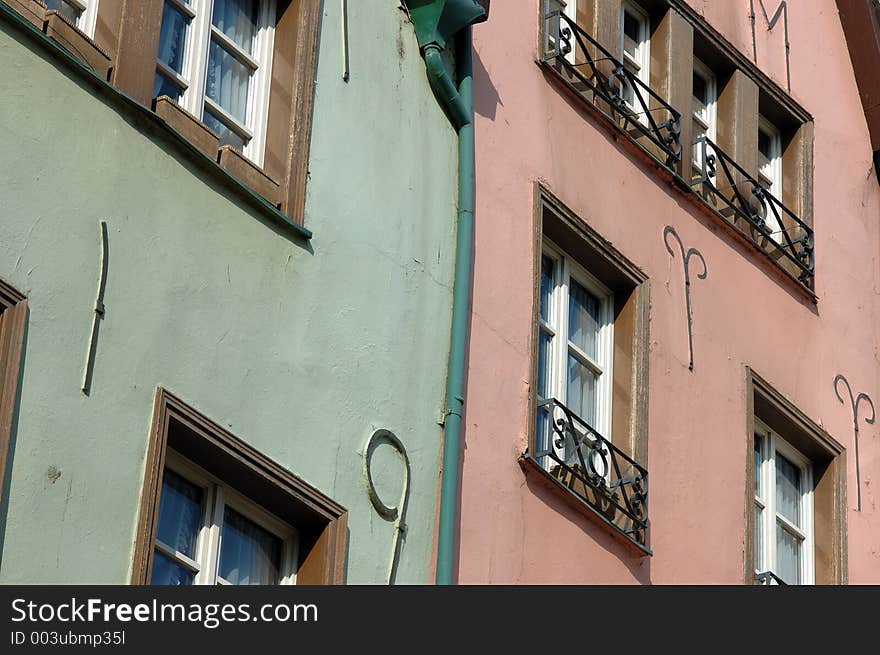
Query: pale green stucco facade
[301, 348]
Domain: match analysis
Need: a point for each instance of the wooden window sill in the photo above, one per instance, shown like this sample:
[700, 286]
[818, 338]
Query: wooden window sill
[65, 33]
[187, 125]
[249, 174]
[208, 141]
[31, 10]
[80, 45]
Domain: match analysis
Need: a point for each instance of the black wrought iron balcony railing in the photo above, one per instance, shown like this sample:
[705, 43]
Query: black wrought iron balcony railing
[601, 475]
[768, 578]
[743, 200]
[614, 90]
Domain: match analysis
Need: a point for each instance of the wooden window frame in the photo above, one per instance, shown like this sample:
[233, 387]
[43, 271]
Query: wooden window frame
[708, 118]
[13, 324]
[773, 444]
[643, 46]
[567, 268]
[320, 522]
[200, 33]
[217, 496]
[827, 458]
[131, 30]
[773, 181]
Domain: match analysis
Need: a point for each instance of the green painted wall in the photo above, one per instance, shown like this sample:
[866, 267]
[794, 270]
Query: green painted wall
[300, 349]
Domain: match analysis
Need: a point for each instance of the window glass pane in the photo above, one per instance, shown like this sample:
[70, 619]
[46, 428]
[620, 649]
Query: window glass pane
[759, 461]
[759, 539]
[172, 37]
[788, 556]
[180, 513]
[249, 555]
[168, 572]
[65, 8]
[544, 341]
[227, 82]
[627, 93]
[581, 396]
[788, 489]
[227, 136]
[547, 266]
[162, 86]
[237, 19]
[764, 141]
[583, 319]
[701, 92]
[631, 34]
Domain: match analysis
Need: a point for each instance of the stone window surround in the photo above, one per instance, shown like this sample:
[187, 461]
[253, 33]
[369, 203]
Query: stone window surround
[828, 459]
[632, 288]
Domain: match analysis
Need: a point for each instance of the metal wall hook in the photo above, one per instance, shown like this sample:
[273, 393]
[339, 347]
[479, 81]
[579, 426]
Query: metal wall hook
[781, 10]
[854, 402]
[396, 513]
[686, 262]
[99, 313]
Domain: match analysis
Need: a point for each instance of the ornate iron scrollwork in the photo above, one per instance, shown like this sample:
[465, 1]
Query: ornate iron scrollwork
[768, 578]
[647, 120]
[686, 262]
[854, 402]
[742, 197]
[604, 477]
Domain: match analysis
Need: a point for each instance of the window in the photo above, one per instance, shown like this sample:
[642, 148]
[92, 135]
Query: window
[576, 342]
[795, 511]
[82, 13]
[705, 95]
[209, 534]
[216, 511]
[215, 60]
[635, 50]
[783, 509]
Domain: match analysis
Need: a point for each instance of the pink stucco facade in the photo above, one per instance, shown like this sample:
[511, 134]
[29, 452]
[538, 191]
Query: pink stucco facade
[514, 531]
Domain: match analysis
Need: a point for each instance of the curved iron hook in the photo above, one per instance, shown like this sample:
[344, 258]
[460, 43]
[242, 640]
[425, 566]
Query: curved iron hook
[398, 512]
[666, 232]
[686, 263]
[840, 378]
[854, 405]
[860, 398]
[694, 251]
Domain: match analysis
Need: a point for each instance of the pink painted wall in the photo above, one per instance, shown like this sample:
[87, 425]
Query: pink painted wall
[514, 532]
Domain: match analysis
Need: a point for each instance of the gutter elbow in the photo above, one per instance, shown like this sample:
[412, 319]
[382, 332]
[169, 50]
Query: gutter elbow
[444, 88]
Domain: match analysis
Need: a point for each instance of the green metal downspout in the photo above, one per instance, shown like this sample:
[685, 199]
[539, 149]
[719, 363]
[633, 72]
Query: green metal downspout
[444, 87]
[461, 302]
